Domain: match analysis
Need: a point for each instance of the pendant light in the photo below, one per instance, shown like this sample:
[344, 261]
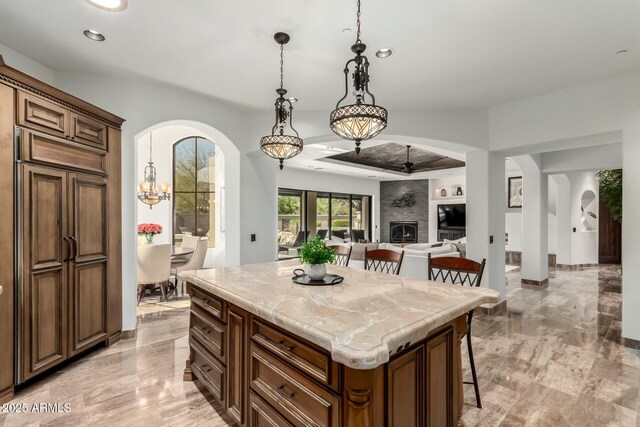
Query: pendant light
[407, 166]
[148, 189]
[360, 121]
[280, 145]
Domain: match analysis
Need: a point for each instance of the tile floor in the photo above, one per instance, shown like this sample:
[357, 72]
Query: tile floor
[553, 359]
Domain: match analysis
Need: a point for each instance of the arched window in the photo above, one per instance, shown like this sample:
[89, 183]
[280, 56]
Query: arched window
[194, 189]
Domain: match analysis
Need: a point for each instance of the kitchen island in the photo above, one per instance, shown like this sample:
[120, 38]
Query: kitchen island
[374, 350]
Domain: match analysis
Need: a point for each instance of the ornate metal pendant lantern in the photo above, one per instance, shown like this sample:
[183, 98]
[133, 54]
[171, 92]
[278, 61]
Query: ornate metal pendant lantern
[279, 145]
[148, 189]
[360, 121]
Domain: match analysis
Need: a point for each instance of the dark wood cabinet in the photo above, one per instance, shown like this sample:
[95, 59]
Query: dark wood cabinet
[65, 241]
[451, 234]
[440, 395]
[88, 131]
[45, 274]
[237, 327]
[66, 227]
[7, 224]
[405, 390]
[40, 114]
[47, 150]
[274, 378]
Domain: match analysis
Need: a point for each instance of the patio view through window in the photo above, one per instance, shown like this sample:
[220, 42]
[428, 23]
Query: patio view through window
[194, 189]
[303, 214]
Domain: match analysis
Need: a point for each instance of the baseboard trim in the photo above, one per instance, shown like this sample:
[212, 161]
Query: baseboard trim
[630, 343]
[534, 284]
[6, 395]
[573, 267]
[515, 258]
[127, 335]
[492, 309]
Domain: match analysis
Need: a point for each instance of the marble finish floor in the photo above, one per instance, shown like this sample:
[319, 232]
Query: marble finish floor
[553, 359]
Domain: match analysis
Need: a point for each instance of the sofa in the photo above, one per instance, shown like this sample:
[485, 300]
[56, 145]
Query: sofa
[415, 261]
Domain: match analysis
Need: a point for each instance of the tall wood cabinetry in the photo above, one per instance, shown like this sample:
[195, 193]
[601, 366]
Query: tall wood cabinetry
[60, 193]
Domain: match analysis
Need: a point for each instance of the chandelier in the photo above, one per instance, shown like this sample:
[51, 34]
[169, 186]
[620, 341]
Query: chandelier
[148, 189]
[279, 145]
[360, 121]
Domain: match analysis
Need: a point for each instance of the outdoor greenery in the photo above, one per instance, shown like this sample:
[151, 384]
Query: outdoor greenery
[315, 252]
[193, 188]
[288, 205]
[611, 191]
[340, 223]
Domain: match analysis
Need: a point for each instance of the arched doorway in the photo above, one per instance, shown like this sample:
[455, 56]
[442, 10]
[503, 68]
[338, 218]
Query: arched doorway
[220, 175]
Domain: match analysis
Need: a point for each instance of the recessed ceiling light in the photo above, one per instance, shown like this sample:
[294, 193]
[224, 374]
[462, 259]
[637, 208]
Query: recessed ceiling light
[385, 52]
[94, 35]
[621, 51]
[109, 5]
[293, 100]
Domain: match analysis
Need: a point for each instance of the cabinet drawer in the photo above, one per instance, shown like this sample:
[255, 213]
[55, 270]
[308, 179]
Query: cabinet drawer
[301, 401]
[207, 302]
[88, 131]
[209, 331]
[44, 149]
[313, 362]
[40, 114]
[209, 371]
[263, 415]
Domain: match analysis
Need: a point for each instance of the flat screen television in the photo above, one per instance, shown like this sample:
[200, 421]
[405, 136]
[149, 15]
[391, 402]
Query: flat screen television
[452, 216]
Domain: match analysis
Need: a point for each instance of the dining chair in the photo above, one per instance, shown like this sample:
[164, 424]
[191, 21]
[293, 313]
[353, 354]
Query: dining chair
[357, 236]
[189, 241]
[196, 262]
[383, 260]
[154, 265]
[460, 271]
[343, 254]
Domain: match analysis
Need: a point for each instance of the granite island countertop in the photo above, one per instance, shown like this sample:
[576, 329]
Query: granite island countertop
[359, 321]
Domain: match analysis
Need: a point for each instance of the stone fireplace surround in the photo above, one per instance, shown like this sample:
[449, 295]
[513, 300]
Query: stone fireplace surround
[418, 212]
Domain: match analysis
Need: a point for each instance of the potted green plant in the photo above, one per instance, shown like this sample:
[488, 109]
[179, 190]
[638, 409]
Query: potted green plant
[316, 255]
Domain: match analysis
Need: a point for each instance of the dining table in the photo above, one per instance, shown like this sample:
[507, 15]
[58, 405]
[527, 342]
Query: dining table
[180, 254]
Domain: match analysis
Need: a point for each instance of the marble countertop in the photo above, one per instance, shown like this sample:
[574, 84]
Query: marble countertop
[358, 321]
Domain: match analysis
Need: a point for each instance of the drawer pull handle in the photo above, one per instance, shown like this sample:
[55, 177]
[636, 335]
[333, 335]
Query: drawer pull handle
[206, 301]
[283, 346]
[205, 330]
[203, 368]
[284, 392]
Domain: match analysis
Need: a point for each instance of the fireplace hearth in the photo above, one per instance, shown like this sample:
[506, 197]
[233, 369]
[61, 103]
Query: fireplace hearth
[403, 231]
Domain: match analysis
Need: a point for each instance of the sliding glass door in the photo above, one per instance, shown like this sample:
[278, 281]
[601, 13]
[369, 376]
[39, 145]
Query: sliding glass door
[340, 216]
[345, 217]
[290, 218]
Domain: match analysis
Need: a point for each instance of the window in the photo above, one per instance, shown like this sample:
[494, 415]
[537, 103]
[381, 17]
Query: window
[340, 227]
[289, 218]
[322, 214]
[194, 189]
[341, 216]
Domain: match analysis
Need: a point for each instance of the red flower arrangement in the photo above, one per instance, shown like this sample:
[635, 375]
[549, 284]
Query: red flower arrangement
[149, 229]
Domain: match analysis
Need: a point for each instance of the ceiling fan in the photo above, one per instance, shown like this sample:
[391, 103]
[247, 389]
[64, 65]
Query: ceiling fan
[407, 166]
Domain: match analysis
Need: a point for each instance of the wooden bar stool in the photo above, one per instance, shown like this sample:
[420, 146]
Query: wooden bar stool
[383, 260]
[343, 254]
[460, 271]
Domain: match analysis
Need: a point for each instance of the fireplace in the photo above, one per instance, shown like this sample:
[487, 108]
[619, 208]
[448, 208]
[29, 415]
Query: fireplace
[404, 232]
